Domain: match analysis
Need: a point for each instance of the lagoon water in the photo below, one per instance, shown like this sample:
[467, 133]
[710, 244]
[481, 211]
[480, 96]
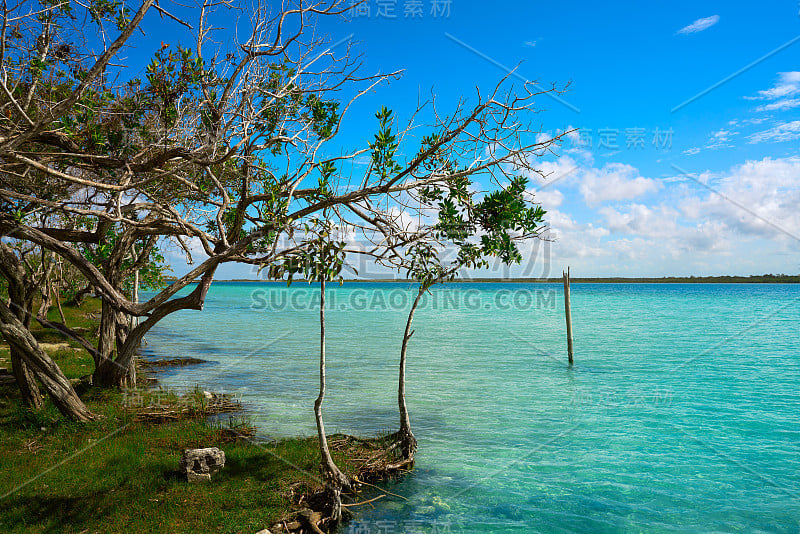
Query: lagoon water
[681, 414]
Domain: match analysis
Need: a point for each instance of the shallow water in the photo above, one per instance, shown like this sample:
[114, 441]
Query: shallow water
[680, 415]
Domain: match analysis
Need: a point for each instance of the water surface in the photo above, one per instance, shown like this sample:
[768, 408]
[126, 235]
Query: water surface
[680, 415]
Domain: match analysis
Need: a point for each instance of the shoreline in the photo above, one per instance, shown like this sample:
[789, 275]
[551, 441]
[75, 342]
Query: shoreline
[777, 279]
[134, 451]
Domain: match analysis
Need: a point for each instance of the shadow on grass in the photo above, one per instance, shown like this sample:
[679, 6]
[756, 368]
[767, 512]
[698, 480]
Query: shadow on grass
[58, 513]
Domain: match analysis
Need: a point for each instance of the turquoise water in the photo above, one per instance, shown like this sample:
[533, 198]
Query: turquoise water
[680, 414]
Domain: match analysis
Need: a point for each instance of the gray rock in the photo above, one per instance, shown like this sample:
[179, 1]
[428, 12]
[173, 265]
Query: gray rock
[200, 464]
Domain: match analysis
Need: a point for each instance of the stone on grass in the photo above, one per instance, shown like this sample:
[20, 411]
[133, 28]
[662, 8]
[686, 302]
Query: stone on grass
[200, 464]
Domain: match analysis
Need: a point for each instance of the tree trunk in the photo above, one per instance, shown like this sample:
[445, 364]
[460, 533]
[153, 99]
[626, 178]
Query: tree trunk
[57, 385]
[123, 330]
[335, 479]
[47, 300]
[104, 365]
[80, 296]
[58, 304]
[408, 443]
[133, 322]
[22, 305]
[26, 381]
[120, 372]
[135, 298]
[111, 371]
[45, 285]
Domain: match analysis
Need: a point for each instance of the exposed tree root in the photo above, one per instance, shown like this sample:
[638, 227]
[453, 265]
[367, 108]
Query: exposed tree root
[375, 459]
[372, 460]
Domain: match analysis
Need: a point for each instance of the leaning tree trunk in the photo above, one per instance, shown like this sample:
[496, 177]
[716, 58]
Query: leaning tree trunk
[26, 380]
[408, 443]
[58, 386]
[123, 332]
[22, 305]
[120, 372]
[126, 326]
[335, 479]
[20, 300]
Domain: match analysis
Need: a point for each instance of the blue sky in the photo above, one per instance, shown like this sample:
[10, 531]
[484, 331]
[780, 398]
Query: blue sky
[662, 181]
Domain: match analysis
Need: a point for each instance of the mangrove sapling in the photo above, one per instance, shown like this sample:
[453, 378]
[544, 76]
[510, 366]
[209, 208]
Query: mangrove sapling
[425, 268]
[477, 231]
[323, 262]
[405, 438]
[335, 479]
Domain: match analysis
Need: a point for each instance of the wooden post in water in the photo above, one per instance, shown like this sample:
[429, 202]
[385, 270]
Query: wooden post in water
[568, 314]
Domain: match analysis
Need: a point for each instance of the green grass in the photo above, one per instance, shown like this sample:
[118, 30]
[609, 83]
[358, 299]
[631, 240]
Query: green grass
[76, 362]
[116, 475]
[120, 475]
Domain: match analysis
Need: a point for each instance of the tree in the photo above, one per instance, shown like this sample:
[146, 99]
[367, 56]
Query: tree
[29, 361]
[322, 263]
[230, 151]
[22, 281]
[453, 215]
[476, 231]
[124, 261]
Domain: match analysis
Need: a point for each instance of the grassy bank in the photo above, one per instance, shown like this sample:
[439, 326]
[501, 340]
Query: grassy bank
[119, 474]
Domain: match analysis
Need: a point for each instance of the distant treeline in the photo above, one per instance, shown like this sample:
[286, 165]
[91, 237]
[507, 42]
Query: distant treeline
[752, 279]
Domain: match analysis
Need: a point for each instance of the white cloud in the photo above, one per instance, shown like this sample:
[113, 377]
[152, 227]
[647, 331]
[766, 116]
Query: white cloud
[570, 137]
[685, 229]
[699, 25]
[659, 224]
[614, 181]
[720, 139]
[632, 249]
[722, 135]
[780, 105]
[768, 191]
[531, 43]
[548, 199]
[573, 135]
[783, 131]
[788, 84]
[574, 239]
[176, 253]
[716, 140]
[556, 171]
[642, 220]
